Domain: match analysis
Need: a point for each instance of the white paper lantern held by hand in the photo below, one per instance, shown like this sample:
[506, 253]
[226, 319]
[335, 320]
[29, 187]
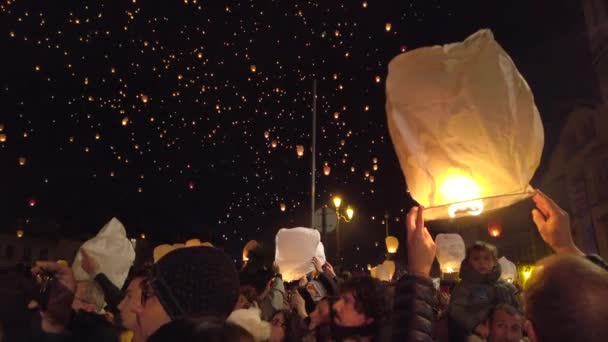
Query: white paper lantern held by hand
[464, 125]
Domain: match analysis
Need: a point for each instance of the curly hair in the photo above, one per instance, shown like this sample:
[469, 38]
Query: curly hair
[371, 297]
[295, 326]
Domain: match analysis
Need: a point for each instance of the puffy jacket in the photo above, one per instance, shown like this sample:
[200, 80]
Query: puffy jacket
[414, 308]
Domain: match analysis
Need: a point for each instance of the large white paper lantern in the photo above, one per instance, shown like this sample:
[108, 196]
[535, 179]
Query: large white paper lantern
[464, 125]
[508, 270]
[451, 251]
[295, 249]
[112, 250]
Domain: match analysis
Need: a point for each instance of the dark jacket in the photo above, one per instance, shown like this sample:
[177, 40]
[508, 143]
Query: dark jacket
[476, 295]
[415, 304]
[83, 327]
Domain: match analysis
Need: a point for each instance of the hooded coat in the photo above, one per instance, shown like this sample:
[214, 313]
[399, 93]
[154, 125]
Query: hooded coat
[476, 295]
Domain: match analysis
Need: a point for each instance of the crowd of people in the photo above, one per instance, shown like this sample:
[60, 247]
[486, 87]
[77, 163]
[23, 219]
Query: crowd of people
[196, 294]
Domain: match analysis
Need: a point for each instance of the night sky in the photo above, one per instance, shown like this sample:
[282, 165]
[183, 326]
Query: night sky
[157, 112]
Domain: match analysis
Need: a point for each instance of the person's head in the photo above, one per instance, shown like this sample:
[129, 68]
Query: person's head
[362, 301]
[506, 324]
[565, 300]
[321, 314]
[287, 326]
[482, 256]
[187, 282]
[131, 304]
[207, 329]
[88, 297]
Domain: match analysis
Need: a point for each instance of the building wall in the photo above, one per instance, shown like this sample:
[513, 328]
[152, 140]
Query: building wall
[25, 249]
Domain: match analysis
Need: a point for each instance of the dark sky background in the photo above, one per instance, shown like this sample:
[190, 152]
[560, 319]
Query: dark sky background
[193, 160]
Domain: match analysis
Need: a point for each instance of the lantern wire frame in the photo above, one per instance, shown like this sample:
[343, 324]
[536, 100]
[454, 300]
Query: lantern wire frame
[488, 203]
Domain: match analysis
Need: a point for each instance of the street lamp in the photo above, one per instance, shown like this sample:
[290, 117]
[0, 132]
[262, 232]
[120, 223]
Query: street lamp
[350, 212]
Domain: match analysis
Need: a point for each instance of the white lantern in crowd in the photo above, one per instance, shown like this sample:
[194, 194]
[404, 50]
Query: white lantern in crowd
[384, 271]
[464, 125]
[295, 249]
[160, 251]
[450, 252]
[508, 270]
[193, 243]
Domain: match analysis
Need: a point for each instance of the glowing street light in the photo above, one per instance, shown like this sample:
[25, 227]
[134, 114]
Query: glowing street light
[337, 202]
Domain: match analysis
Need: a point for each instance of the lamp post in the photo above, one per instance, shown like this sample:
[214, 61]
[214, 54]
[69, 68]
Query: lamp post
[350, 212]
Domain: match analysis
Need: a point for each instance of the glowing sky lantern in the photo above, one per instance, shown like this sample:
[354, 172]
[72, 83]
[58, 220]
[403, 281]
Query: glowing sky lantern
[274, 144]
[378, 79]
[392, 244]
[388, 27]
[494, 228]
[283, 207]
[144, 98]
[20, 233]
[253, 68]
[336, 115]
[248, 247]
[1, 127]
[2, 137]
[300, 150]
[364, 4]
[22, 161]
[266, 134]
[125, 121]
[471, 142]
[326, 169]
[450, 252]
[32, 202]
[193, 243]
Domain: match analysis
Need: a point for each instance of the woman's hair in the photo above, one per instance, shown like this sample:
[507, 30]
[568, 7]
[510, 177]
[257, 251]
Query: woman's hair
[208, 329]
[295, 326]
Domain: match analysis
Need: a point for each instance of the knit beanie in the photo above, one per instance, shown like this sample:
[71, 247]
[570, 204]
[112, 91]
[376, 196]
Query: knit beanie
[196, 281]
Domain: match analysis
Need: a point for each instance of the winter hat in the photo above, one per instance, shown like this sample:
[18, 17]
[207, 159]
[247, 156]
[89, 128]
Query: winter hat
[196, 281]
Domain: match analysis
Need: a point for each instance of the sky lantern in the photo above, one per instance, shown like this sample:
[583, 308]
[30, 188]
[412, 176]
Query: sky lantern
[450, 252]
[300, 150]
[252, 244]
[125, 121]
[22, 161]
[326, 169]
[266, 134]
[32, 202]
[372, 179]
[191, 185]
[1, 127]
[494, 228]
[253, 68]
[193, 243]
[375, 167]
[283, 207]
[388, 27]
[392, 244]
[274, 144]
[144, 98]
[364, 4]
[378, 79]
[20, 233]
[470, 143]
[2, 137]
[336, 115]
[508, 270]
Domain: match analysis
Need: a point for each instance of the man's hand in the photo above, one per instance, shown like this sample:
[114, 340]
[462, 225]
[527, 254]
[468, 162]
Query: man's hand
[329, 270]
[317, 263]
[553, 224]
[88, 263]
[420, 245]
[60, 296]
